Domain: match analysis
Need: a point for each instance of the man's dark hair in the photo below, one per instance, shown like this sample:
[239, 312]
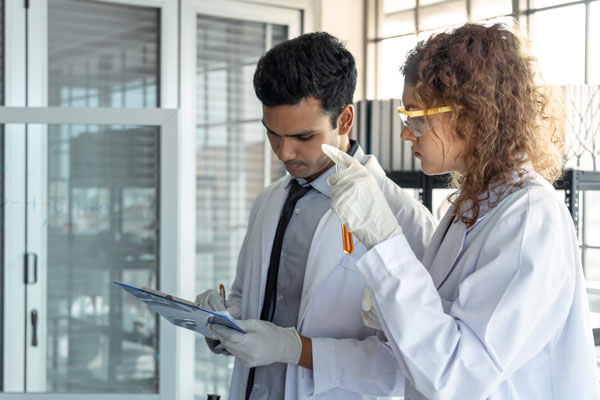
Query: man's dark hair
[311, 65]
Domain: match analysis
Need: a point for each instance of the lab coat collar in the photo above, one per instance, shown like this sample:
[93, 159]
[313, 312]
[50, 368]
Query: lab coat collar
[487, 208]
[499, 192]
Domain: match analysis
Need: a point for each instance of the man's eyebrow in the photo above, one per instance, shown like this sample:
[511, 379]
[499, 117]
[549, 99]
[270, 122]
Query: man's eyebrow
[409, 106]
[299, 134]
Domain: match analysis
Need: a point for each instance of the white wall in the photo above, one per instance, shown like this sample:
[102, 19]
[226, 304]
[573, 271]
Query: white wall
[345, 20]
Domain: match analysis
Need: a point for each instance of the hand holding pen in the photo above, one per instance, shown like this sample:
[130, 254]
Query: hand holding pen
[222, 294]
[214, 301]
[210, 300]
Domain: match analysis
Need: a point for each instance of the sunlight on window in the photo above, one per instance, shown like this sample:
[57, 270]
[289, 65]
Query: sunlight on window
[481, 9]
[560, 52]
[398, 23]
[393, 55]
[594, 49]
[450, 12]
[392, 6]
[546, 3]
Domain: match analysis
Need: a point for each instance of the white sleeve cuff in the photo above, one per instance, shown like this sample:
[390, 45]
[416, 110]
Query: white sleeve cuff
[396, 248]
[325, 369]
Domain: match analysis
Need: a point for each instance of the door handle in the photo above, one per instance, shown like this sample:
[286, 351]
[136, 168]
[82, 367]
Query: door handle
[34, 321]
[31, 268]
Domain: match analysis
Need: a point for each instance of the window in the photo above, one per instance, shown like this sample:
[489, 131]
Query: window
[234, 160]
[102, 54]
[102, 199]
[594, 47]
[2, 201]
[85, 207]
[561, 55]
[566, 56]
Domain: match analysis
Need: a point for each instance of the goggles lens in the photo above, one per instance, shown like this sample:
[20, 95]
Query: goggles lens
[415, 124]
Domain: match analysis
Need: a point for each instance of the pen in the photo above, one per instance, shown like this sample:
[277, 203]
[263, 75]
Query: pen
[222, 293]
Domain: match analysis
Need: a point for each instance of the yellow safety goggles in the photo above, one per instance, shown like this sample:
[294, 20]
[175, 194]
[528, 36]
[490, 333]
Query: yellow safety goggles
[414, 120]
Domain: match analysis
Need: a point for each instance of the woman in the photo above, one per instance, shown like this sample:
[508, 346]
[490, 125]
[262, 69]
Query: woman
[497, 307]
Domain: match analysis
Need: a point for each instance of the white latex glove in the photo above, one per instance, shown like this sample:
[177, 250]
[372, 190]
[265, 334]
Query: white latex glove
[263, 343]
[358, 201]
[211, 300]
[368, 313]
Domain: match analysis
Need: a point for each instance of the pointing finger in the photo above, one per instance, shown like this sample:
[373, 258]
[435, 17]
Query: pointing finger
[339, 157]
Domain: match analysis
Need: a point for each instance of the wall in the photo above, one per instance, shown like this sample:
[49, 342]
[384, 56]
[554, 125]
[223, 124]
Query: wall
[345, 20]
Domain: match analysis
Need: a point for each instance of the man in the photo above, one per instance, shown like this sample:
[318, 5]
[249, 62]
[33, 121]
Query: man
[298, 294]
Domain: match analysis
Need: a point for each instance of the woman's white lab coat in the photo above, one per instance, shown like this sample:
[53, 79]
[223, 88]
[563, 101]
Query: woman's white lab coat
[331, 299]
[496, 311]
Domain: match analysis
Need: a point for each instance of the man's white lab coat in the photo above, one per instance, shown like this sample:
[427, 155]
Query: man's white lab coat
[331, 299]
[496, 311]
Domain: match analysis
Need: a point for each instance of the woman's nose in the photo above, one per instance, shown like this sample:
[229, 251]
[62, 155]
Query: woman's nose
[407, 134]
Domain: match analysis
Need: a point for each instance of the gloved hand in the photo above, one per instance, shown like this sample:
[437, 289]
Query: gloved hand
[263, 343]
[358, 201]
[211, 300]
[368, 313]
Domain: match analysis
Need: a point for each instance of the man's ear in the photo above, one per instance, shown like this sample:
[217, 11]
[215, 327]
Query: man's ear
[345, 119]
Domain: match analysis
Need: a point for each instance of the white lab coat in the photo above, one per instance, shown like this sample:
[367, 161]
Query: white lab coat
[331, 299]
[497, 311]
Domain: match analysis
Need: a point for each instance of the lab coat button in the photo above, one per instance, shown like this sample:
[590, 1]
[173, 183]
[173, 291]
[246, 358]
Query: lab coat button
[297, 211]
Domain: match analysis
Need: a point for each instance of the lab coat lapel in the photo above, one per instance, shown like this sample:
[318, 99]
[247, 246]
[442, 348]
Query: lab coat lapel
[436, 239]
[447, 254]
[323, 257]
[269, 227]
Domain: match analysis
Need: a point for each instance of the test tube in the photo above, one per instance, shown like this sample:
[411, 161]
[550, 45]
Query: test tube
[347, 239]
[346, 235]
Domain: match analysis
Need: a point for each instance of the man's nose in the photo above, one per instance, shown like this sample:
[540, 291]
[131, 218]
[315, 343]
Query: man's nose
[286, 149]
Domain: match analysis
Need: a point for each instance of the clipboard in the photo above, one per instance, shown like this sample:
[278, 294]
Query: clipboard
[181, 312]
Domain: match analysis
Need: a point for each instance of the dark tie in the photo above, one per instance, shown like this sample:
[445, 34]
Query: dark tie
[268, 308]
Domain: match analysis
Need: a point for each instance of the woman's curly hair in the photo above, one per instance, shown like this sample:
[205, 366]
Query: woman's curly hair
[501, 113]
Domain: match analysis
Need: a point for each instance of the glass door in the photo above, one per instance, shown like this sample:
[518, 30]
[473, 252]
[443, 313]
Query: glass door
[233, 156]
[86, 198]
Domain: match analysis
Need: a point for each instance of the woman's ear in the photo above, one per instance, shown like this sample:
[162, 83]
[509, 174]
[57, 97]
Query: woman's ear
[345, 119]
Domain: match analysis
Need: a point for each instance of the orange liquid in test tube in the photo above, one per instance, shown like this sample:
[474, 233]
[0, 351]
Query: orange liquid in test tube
[347, 239]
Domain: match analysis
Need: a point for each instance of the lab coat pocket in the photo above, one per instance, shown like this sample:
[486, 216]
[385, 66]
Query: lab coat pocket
[337, 306]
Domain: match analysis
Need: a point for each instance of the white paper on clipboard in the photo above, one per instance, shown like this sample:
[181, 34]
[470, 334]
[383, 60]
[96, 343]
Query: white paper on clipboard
[181, 312]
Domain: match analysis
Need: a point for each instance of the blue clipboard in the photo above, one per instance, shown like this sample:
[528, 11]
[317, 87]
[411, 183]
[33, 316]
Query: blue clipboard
[181, 312]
